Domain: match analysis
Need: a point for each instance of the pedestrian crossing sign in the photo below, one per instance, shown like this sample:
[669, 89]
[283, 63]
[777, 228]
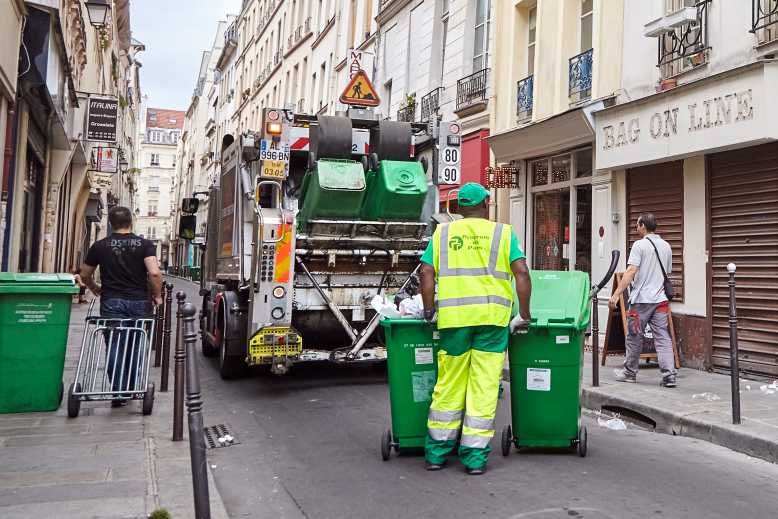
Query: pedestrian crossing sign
[360, 91]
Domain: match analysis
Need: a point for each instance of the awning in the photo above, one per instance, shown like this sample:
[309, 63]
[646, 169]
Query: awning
[554, 134]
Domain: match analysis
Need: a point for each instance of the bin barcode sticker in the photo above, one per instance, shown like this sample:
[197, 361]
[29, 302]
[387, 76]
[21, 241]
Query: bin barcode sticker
[423, 355]
[563, 339]
[538, 379]
[422, 384]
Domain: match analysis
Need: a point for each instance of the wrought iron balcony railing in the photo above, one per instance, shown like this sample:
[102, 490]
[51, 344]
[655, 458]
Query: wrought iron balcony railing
[407, 114]
[580, 77]
[764, 20]
[231, 35]
[524, 90]
[685, 47]
[430, 104]
[472, 89]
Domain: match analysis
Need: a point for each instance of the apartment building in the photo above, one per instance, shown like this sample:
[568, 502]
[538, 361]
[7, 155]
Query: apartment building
[691, 137]
[157, 161]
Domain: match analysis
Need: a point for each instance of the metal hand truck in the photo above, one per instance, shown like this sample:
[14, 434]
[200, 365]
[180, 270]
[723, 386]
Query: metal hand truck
[114, 362]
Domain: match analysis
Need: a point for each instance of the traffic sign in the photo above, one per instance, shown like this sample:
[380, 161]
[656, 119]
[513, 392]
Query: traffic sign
[360, 91]
[449, 154]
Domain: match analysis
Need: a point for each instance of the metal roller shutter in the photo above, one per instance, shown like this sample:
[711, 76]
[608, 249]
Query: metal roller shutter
[658, 189]
[743, 195]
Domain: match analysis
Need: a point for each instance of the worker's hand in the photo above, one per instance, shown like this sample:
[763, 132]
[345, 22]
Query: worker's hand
[430, 316]
[157, 300]
[79, 282]
[518, 325]
[613, 301]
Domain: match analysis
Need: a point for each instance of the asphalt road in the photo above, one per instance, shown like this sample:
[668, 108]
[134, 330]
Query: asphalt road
[309, 447]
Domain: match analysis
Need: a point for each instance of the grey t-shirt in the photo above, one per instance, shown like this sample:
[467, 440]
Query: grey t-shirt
[648, 285]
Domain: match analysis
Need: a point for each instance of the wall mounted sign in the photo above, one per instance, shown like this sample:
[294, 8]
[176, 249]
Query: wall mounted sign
[101, 119]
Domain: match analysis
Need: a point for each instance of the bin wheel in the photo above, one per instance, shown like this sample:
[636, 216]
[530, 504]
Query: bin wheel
[386, 445]
[61, 393]
[148, 400]
[582, 439]
[507, 438]
[74, 404]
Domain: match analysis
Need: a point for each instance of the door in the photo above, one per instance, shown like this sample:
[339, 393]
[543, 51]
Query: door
[743, 205]
[32, 211]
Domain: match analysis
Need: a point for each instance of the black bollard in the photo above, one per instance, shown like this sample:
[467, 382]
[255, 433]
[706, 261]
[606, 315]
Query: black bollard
[733, 354]
[158, 329]
[595, 341]
[194, 404]
[163, 382]
[178, 381]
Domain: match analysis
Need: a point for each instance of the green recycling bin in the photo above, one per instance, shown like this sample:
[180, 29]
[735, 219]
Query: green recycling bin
[546, 365]
[412, 364]
[34, 320]
[194, 273]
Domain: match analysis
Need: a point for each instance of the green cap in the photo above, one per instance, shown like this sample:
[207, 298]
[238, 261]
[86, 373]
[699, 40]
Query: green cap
[472, 194]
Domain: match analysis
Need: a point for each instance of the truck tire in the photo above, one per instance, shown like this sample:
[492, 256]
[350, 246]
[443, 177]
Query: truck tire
[207, 349]
[230, 366]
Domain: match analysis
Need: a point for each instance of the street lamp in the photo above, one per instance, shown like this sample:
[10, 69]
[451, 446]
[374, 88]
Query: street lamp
[123, 164]
[98, 12]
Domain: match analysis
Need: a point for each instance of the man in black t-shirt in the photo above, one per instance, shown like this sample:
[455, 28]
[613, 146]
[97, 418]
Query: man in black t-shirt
[128, 270]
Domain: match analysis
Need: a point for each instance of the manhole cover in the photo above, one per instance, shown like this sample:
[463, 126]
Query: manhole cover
[217, 436]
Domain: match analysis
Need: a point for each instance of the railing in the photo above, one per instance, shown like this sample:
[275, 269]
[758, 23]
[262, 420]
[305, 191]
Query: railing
[231, 35]
[684, 48]
[407, 114]
[764, 20]
[524, 90]
[580, 77]
[430, 104]
[472, 89]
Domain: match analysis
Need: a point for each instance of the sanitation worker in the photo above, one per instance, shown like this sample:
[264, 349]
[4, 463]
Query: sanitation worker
[476, 263]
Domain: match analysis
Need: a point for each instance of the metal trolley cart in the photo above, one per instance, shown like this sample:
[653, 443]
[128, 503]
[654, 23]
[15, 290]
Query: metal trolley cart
[114, 362]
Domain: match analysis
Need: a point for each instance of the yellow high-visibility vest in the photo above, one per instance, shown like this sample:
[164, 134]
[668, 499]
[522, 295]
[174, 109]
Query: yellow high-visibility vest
[472, 265]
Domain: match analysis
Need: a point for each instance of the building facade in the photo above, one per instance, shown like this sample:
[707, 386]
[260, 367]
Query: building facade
[692, 139]
[157, 161]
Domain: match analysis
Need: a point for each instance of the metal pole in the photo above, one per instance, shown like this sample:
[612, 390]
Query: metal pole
[595, 341]
[194, 404]
[166, 339]
[733, 354]
[158, 329]
[178, 382]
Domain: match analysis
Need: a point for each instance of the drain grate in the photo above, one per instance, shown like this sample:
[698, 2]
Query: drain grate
[217, 436]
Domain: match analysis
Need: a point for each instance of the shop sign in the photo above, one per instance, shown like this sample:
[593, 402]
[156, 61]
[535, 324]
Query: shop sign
[104, 159]
[697, 120]
[101, 119]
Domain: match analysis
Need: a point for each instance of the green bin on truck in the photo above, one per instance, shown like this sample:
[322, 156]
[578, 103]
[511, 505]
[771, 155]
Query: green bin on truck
[546, 365]
[412, 364]
[334, 188]
[34, 321]
[395, 192]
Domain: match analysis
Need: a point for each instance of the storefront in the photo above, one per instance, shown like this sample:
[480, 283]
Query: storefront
[701, 158]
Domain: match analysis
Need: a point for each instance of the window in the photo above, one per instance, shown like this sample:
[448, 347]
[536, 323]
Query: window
[685, 47]
[154, 159]
[481, 39]
[152, 210]
[532, 27]
[586, 24]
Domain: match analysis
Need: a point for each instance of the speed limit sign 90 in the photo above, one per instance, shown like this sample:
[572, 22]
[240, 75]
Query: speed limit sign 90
[450, 154]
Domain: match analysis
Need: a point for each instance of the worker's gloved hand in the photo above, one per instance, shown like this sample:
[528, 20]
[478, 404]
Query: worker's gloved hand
[430, 316]
[518, 325]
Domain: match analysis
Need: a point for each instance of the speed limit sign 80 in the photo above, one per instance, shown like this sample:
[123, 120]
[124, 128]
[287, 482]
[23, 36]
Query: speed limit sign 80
[449, 154]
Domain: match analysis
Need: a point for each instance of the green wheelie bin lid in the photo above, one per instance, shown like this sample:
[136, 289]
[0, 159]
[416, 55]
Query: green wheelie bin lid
[560, 299]
[37, 283]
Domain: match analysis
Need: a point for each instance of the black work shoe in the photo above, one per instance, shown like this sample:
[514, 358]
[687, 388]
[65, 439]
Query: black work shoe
[475, 471]
[668, 381]
[433, 466]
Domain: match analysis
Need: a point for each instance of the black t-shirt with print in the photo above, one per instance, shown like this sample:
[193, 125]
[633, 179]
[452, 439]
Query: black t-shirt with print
[123, 273]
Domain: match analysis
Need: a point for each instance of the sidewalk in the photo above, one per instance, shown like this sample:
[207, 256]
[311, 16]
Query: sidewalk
[677, 411]
[107, 463]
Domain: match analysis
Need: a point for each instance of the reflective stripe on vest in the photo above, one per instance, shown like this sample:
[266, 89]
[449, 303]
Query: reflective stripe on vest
[475, 300]
[490, 270]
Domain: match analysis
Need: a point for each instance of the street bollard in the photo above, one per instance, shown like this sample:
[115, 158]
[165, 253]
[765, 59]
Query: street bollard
[595, 341]
[178, 381]
[733, 354]
[194, 404]
[158, 329]
[163, 382]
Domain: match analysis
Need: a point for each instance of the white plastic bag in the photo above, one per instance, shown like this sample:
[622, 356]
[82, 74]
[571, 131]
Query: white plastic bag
[384, 307]
[614, 424]
[412, 308]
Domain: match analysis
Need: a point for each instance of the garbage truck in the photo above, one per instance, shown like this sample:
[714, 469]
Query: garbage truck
[310, 219]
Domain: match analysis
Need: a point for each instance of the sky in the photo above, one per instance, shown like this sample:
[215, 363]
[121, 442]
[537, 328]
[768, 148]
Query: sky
[175, 32]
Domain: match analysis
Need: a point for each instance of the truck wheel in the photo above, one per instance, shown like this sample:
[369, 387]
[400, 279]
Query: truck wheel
[582, 441]
[230, 366]
[373, 161]
[148, 400]
[74, 404]
[507, 438]
[386, 445]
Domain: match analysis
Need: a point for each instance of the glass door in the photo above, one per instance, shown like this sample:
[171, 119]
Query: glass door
[552, 232]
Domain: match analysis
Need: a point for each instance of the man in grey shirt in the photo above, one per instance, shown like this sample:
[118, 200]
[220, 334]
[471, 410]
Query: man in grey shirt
[648, 303]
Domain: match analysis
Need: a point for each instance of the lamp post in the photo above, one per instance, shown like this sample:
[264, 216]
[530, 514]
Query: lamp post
[98, 12]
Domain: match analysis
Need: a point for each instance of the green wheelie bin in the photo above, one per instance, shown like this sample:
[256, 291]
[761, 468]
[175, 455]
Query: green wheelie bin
[34, 320]
[546, 365]
[412, 364]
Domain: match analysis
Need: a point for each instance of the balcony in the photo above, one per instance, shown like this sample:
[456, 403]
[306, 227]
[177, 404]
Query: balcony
[764, 20]
[685, 47]
[524, 89]
[430, 104]
[471, 93]
[407, 114]
[231, 35]
[301, 105]
[580, 77]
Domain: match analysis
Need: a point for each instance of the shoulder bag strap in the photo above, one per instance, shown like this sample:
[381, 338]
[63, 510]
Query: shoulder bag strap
[658, 258]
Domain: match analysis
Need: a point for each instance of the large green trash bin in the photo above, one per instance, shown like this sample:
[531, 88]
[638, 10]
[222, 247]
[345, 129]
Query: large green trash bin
[334, 189]
[412, 363]
[34, 320]
[395, 192]
[546, 365]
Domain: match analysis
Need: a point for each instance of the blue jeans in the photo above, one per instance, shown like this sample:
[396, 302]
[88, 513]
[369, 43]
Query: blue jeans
[122, 350]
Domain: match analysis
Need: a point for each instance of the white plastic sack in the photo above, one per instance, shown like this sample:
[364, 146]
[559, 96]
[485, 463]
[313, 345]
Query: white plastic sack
[412, 308]
[384, 307]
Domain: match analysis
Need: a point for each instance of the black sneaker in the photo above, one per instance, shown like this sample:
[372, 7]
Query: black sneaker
[477, 471]
[668, 381]
[433, 466]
